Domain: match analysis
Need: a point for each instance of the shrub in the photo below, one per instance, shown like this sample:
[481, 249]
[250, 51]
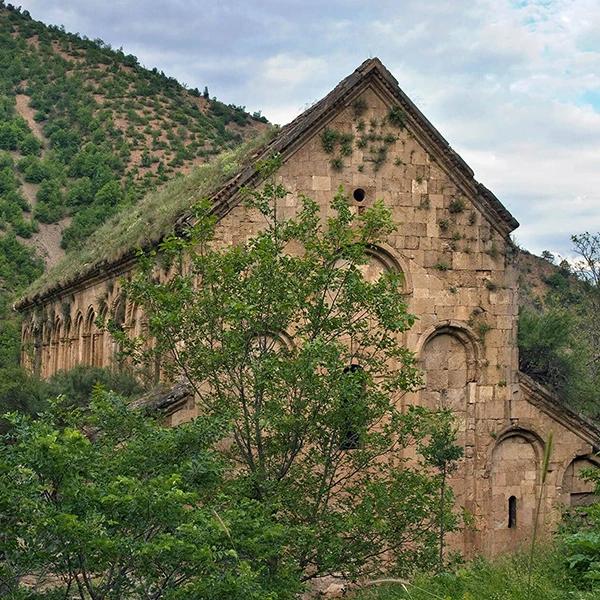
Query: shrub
[30, 145]
[545, 351]
[35, 170]
[50, 207]
[77, 384]
[20, 392]
[9, 136]
[397, 117]
[131, 506]
[457, 205]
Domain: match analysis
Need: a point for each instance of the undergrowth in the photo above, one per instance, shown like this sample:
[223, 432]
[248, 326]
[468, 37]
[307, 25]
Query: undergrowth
[501, 579]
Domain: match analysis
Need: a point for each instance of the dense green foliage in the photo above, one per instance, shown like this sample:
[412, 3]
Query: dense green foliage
[581, 540]
[559, 334]
[19, 266]
[107, 504]
[25, 393]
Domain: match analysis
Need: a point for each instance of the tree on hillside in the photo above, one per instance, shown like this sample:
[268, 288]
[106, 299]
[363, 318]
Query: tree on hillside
[559, 341]
[587, 267]
[286, 338]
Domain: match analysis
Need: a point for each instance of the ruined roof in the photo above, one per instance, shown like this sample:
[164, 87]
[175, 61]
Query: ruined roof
[547, 400]
[168, 209]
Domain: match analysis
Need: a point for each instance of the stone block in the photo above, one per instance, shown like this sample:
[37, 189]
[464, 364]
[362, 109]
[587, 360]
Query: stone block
[321, 183]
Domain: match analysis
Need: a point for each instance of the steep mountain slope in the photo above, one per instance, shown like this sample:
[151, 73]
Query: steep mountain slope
[85, 132]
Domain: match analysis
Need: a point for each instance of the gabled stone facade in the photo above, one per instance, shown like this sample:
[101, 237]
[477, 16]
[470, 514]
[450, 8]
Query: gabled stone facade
[452, 246]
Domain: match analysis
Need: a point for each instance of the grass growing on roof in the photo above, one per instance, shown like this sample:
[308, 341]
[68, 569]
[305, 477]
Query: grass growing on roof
[149, 220]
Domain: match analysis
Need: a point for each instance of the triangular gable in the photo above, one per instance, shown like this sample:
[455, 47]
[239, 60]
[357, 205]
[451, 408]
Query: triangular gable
[371, 72]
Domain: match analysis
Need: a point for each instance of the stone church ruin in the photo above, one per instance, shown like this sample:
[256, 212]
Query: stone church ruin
[452, 245]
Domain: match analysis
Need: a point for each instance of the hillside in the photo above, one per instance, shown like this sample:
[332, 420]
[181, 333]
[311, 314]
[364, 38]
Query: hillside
[537, 277]
[86, 132]
[559, 334]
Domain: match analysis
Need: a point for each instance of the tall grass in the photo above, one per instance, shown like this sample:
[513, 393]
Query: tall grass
[503, 579]
[538, 508]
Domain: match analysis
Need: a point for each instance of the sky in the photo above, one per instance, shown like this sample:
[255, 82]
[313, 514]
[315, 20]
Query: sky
[513, 85]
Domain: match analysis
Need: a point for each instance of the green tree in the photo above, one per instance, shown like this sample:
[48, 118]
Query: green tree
[108, 504]
[316, 427]
[50, 207]
[109, 194]
[441, 452]
[9, 136]
[30, 145]
[559, 340]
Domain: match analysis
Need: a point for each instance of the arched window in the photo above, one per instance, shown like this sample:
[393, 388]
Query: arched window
[352, 403]
[512, 512]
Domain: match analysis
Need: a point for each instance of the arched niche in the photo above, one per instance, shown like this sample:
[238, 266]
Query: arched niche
[98, 337]
[270, 341]
[47, 340]
[117, 316]
[514, 485]
[448, 354]
[576, 491]
[55, 346]
[37, 336]
[89, 329]
[65, 344]
[76, 351]
[383, 258]
[27, 347]
[118, 311]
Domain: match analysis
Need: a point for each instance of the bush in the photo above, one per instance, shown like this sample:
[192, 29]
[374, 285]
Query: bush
[9, 136]
[20, 392]
[81, 192]
[30, 145]
[19, 265]
[8, 182]
[581, 540]
[133, 507]
[552, 352]
[35, 170]
[50, 207]
[110, 194]
[543, 340]
[78, 384]
[84, 223]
